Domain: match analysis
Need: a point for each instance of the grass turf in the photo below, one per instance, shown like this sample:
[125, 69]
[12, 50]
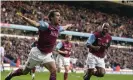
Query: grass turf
[72, 76]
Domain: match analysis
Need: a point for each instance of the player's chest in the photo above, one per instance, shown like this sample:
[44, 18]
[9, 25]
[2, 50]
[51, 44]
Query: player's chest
[67, 46]
[103, 40]
[53, 32]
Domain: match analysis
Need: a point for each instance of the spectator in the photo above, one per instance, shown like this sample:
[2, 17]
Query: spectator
[116, 56]
[86, 20]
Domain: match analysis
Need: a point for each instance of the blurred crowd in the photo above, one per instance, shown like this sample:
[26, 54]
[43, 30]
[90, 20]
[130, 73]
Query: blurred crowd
[20, 47]
[119, 56]
[16, 48]
[82, 18]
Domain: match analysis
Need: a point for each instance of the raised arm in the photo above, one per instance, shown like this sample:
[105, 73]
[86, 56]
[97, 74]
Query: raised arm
[32, 22]
[67, 26]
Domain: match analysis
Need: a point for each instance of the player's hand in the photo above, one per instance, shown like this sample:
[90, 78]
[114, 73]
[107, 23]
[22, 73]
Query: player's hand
[97, 48]
[69, 25]
[105, 45]
[19, 14]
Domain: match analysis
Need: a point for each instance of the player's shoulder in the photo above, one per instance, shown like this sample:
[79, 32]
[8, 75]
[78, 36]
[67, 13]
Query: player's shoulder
[62, 41]
[43, 23]
[109, 36]
[97, 33]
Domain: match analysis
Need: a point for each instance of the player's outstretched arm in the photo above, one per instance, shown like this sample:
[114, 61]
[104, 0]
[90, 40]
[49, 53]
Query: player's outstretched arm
[32, 22]
[67, 26]
[62, 52]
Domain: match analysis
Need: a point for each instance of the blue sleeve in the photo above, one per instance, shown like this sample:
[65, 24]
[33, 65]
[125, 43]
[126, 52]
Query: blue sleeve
[91, 39]
[61, 29]
[59, 45]
[43, 25]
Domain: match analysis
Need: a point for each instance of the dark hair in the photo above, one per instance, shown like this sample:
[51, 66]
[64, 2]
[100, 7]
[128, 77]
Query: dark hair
[52, 13]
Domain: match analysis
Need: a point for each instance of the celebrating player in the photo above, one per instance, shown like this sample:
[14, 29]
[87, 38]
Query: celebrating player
[63, 58]
[42, 54]
[97, 44]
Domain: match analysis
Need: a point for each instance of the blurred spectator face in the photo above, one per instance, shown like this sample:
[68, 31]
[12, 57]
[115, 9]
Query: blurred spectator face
[122, 27]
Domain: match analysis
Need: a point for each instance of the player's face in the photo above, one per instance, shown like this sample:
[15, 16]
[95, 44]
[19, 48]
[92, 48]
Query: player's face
[105, 29]
[56, 19]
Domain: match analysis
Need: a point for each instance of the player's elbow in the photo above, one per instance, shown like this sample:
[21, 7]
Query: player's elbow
[56, 49]
[36, 24]
[88, 45]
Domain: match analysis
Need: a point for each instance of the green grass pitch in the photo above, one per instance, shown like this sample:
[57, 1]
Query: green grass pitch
[72, 76]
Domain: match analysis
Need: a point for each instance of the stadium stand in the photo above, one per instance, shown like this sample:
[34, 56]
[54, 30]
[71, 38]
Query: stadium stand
[86, 20]
[20, 48]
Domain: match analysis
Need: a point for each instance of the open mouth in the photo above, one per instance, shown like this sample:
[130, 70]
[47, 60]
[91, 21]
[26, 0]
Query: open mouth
[105, 30]
[59, 20]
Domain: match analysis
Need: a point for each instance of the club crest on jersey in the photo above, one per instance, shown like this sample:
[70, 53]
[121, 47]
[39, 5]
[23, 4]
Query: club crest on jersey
[65, 45]
[107, 41]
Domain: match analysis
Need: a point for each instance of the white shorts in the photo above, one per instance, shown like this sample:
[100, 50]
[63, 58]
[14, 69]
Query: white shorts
[93, 61]
[62, 61]
[36, 57]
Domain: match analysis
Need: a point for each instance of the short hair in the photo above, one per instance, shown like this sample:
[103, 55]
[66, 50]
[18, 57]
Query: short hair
[105, 24]
[52, 13]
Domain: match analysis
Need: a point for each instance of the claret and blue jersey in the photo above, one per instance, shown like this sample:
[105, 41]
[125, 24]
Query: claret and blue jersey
[97, 39]
[45, 25]
[47, 36]
[64, 46]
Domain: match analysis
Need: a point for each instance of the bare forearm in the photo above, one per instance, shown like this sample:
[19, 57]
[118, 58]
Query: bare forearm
[32, 22]
[91, 46]
[62, 52]
[67, 26]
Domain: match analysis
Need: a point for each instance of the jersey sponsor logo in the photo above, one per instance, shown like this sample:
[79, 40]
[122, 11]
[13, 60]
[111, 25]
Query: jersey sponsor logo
[68, 47]
[54, 33]
[65, 45]
[99, 38]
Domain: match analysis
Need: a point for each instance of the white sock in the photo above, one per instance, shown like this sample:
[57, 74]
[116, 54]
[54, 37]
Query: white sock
[33, 75]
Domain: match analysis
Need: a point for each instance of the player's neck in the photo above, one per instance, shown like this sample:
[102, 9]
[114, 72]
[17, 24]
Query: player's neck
[103, 33]
[54, 24]
[67, 41]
